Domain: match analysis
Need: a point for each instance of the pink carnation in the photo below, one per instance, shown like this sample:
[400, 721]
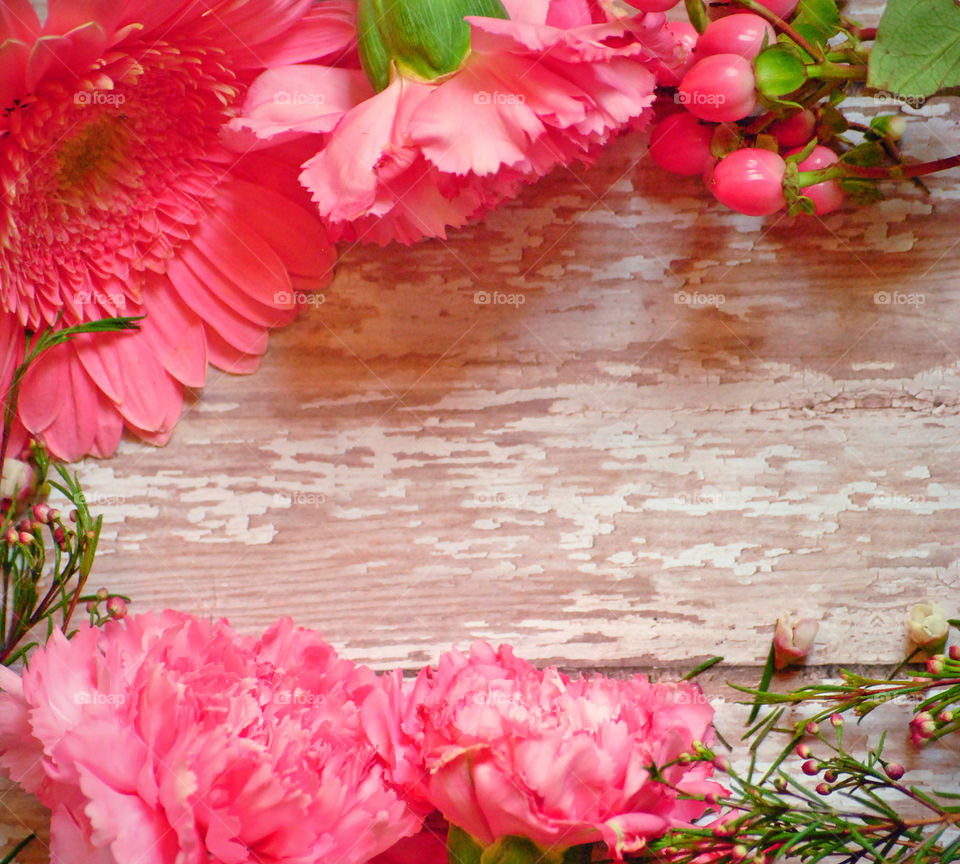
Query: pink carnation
[117, 197]
[507, 749]
[546, 88]
[168, 738]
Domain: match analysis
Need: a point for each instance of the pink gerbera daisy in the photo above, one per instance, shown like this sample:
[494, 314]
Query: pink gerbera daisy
[117, 198]
[449, 117]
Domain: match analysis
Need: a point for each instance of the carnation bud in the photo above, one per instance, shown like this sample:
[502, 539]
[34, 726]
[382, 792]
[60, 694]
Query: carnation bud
[894, 770]
[420, 39]
[927, 626]
[792, 641]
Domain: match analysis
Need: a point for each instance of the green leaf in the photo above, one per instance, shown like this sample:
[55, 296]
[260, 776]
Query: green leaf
[917, 50]
[693, 673]
[779, 71]
[765, 680]
[817, 20]
[697, 14]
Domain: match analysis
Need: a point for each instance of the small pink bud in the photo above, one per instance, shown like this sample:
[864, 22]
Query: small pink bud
[792, 641]
[812, 728]
[955, 652]
[116, 608]
[74, 515]
[945, 717]
[811, 768]
[739, 852]
[12, 537]
[53, 515]
[103, 594]
[803, 751]
[26, 538]
[91, 607]
[830, 776]
[41, 512]
[824, 788]
[894, 770]
[935, 664]
[836, 720]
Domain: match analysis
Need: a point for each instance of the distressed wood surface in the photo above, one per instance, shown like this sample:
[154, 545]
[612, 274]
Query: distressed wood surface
[603, 473]
[683, 422]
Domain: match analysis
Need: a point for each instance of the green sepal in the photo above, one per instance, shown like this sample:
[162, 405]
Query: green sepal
[464, 849]
[779, 71]
[421, 39]
[726, 138]
[697, 13]
[797, 202]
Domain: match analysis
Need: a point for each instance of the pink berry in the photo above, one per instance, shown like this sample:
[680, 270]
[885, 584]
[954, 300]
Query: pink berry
[720, 88]
[743, 34]
[796, 130]
[781, 8]
[750, 181]
[828, 195]
[681, 144]
[653, 5]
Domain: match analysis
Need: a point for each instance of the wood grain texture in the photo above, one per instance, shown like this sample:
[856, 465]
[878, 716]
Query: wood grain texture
[604, 474]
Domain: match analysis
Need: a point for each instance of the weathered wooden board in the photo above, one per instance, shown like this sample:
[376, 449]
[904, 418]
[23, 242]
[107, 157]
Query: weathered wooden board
[605, 474]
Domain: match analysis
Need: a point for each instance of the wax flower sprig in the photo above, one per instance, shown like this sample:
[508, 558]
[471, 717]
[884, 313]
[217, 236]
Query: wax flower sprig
[857, 811]
[933, 689]
[46, 557]
[761, 98]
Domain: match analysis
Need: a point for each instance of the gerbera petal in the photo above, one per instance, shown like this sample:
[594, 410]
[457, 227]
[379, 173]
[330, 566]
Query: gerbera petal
[60, 55]
[227, 358]
[174, 333]
[328, 31]
[18, 20]
[131, 375]
[218, 316]
[295, 235]
[13, 70]
[64, 15]
[44, 389]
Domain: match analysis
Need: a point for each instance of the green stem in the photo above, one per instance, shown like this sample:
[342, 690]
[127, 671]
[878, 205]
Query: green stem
[811, 49]
[884, 172]
[828, 70]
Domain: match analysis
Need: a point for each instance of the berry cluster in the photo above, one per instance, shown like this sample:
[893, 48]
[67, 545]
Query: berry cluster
[757, 116]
